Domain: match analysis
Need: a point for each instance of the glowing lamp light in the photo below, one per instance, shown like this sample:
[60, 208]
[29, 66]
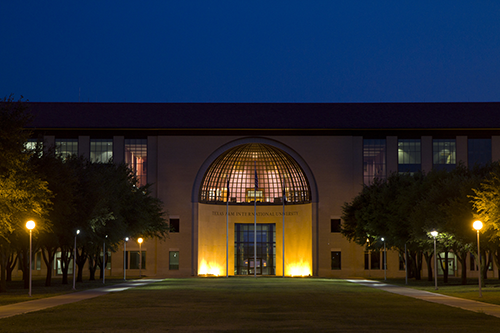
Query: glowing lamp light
[30, 225]
[299, 269]
[478, 225]
[209, 268]
[140, 240]
[434, 233]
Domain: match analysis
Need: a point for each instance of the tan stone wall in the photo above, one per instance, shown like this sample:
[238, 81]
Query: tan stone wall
[212, 236]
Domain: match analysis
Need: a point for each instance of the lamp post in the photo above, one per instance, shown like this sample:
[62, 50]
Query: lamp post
[74, 262]
[104, 260]
[434, 234]
[30, 225]
[385, 261]
[478, 225]
[140, 240]
[125, 258]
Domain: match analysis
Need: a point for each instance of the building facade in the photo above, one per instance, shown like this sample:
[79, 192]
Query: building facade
[228, 171]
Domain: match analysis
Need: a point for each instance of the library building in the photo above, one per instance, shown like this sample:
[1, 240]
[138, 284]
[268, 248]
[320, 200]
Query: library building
[258, 188]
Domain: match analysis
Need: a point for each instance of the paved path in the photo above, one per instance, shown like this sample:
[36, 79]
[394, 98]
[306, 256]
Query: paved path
[489, 309]
[44, 303]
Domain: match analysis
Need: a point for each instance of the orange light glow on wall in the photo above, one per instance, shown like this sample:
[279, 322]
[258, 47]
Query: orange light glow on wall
[299, 269]
[210, 268]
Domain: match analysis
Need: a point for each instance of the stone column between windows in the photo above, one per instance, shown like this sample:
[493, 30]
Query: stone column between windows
[495, 148]
[49, 141]
[84, 146]
[426, 151]
[461, 150]
[152, 164]
[392, 154]
[118, 149]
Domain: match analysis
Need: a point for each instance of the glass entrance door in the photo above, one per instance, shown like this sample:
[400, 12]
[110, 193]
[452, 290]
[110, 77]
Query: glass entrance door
[244, 263]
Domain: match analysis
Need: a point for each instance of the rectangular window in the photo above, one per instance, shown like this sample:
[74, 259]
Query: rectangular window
[251, 195]
[174, 225]
[472, 262]
[335, 225]
[374, 260]
[101, 150]
[367, 260]
[135, 259]
[479, 152]
[173, 263]
[136, 152]
[66, 147]
[444, 154]
[374, 160]
[409, 155]
[336, 260]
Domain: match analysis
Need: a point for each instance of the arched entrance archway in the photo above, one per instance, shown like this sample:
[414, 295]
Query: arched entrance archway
[240, 223]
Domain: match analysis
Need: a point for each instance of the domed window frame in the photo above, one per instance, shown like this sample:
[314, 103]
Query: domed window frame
[277, 167]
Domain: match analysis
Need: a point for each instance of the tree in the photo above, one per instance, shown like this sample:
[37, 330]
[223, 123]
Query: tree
[23, 195]
[112, 207]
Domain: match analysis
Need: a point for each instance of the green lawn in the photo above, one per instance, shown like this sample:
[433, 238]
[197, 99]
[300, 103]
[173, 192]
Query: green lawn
[16, 292]
[250, 305]
[490, 288]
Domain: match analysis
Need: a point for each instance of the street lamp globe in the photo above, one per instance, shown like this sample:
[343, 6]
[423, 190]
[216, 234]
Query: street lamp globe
[30, 225]
[478, 225]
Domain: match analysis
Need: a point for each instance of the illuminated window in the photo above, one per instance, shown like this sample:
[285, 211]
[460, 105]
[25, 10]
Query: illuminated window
[444, 154]
[173, 263]
[374, 160]
[479, 151]
[101, 150]
[409, 155]
[136, 151]
[336, 260]
[66, 147]
[234, 175]
[174, 225]
[335, 225]
[30, 144]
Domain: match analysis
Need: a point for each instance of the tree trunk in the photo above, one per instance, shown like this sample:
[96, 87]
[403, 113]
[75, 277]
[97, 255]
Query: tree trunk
[3, 263]
[80, 262]
[92, 267]
[48, 258]
[428, 259]
[485, 262]
[418, 270]
[445, 266]
[11, 264]
[65, 258]
[462, 257]
[24, 261]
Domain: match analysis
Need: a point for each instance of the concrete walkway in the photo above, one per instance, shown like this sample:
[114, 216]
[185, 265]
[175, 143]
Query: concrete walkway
[489, 309]
[44, 303]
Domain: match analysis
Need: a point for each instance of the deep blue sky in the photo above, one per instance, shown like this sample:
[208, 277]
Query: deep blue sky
[250, 51]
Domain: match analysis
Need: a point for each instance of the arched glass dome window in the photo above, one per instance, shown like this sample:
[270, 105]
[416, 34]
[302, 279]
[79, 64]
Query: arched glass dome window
[240, 168]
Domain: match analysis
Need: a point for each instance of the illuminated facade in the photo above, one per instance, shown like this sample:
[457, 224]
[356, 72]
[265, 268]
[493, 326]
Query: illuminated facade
[226, 170]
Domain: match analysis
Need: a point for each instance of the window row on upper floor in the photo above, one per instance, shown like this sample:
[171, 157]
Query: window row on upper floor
[409, 155]
[101, 150]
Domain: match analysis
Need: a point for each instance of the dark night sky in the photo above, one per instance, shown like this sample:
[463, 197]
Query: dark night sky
[250, 51]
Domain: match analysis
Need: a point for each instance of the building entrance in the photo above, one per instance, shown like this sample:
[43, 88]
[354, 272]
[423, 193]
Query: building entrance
[244, 262]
